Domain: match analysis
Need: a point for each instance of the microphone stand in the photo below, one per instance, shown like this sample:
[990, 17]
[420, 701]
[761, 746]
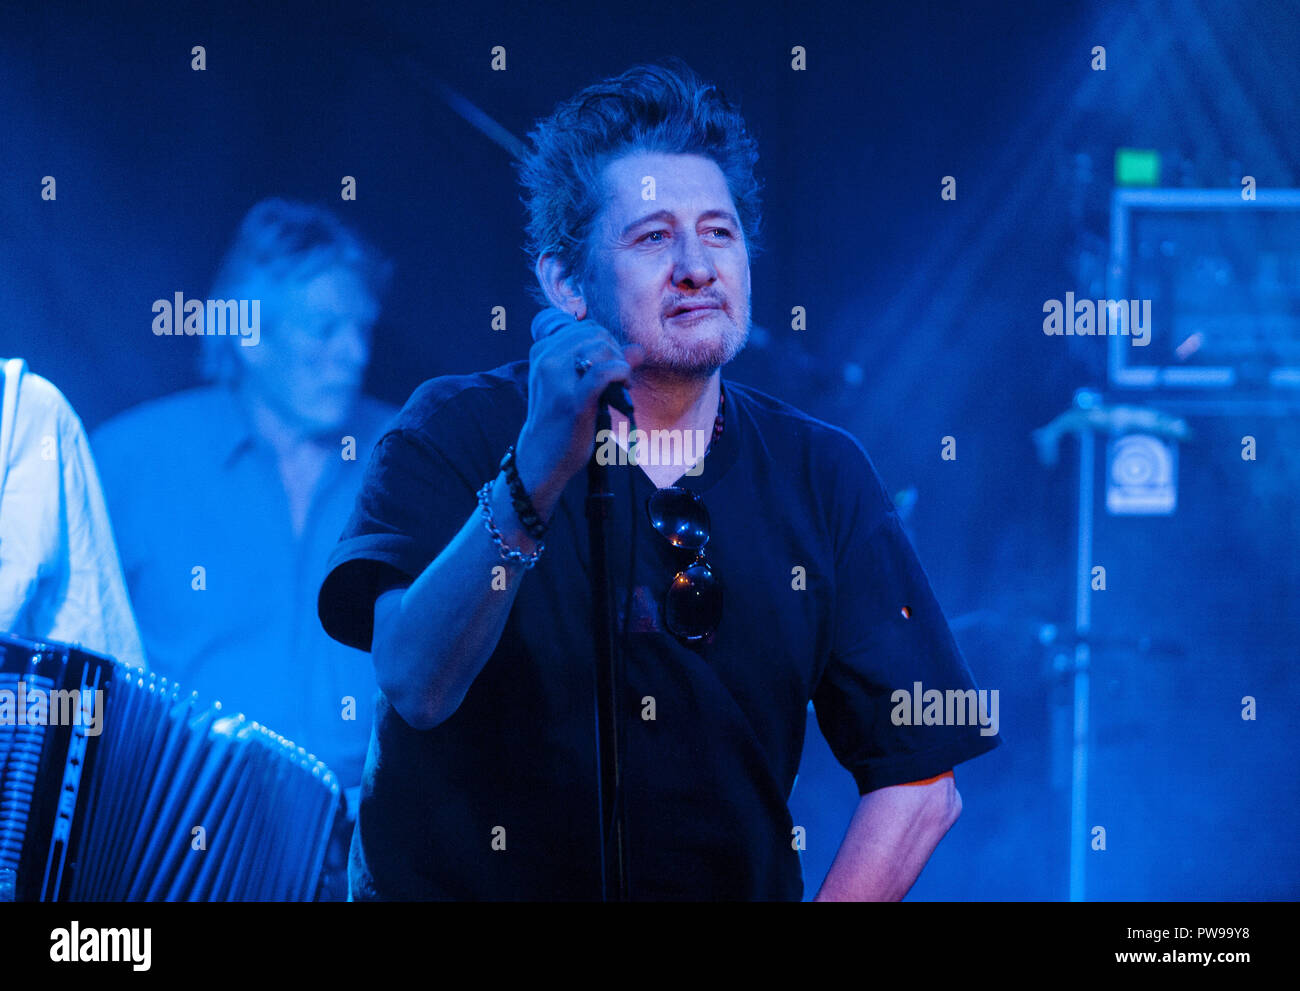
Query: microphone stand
[609, 679]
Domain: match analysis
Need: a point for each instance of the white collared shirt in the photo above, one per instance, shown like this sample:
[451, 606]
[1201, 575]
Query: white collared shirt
[60, 575]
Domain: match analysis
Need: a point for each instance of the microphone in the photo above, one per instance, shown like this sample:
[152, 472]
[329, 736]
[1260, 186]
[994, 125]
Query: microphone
[552, 319]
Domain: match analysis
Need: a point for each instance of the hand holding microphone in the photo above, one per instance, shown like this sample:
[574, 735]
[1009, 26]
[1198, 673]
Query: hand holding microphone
[574, 368]
[552, 320]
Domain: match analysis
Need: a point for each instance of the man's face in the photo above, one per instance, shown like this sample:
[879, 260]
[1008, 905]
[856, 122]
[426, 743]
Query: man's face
[310, 366]
[672, 273]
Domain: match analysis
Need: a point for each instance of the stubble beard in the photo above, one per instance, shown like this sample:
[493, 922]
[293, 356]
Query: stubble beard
[670, 359]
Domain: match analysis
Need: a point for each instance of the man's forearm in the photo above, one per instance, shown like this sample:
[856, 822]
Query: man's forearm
[890, 838]
[433, 637]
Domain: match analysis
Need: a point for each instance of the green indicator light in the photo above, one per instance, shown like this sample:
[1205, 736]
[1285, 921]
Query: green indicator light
[1137, 167]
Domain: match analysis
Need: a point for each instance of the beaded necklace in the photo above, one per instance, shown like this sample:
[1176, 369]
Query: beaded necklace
[719, 420]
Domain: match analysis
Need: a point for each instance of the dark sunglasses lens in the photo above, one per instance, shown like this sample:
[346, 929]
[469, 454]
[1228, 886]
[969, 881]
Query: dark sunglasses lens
[693, 605]
[680, 516]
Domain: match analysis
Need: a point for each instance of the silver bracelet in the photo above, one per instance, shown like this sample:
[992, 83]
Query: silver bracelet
[512, 555]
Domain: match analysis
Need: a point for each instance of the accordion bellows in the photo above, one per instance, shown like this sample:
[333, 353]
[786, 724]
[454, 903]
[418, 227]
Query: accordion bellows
[117, 786]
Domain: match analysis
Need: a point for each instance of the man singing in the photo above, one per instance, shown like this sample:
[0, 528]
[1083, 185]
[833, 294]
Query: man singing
[773, 574]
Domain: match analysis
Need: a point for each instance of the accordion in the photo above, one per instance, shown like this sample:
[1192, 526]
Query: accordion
[117, 786]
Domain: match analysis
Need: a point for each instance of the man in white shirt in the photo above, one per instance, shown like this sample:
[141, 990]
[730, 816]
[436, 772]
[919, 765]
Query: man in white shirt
[60, 576]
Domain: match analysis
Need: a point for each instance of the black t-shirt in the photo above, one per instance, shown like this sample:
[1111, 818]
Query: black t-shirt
[499, 801]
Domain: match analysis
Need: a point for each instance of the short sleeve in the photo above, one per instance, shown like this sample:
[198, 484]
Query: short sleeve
[412, 502]
[896, 701]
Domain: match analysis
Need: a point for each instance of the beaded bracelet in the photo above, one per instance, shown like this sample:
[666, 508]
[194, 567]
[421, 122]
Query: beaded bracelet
[512, 555]
[524, 508]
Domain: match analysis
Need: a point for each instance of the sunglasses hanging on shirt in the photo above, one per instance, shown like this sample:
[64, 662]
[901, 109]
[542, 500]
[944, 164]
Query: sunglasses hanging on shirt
[692, 606]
